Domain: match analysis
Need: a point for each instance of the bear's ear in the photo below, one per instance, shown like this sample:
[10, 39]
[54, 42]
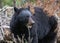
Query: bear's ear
[31, 9]
[28, 7]
[15, 9]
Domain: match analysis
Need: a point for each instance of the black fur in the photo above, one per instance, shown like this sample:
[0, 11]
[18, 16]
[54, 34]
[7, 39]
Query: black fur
[43, 29]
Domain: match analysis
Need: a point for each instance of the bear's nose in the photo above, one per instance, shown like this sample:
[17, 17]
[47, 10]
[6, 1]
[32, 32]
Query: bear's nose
[31, 21]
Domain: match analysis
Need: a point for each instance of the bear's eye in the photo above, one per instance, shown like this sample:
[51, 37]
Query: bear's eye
[27, 16]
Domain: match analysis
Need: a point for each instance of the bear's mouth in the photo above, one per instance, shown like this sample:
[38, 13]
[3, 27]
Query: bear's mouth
[29, 25]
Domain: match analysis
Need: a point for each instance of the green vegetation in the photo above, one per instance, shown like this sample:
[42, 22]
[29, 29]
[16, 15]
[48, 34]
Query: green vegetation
[11, 2]
[7, 2]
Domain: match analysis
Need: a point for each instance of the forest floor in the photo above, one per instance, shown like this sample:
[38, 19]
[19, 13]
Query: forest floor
[58, 34]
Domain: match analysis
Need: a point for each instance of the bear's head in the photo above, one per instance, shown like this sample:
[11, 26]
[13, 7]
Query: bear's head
[24, 17]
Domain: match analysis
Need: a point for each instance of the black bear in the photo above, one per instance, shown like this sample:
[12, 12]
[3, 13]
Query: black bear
[41, 26]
